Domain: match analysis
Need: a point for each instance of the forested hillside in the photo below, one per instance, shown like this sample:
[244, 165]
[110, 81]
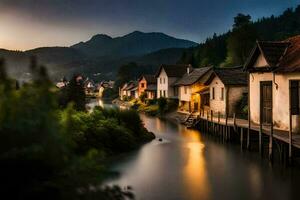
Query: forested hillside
[233, 47]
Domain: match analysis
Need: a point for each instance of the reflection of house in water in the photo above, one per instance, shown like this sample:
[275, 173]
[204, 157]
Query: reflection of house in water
[274, 82]
[104, 85]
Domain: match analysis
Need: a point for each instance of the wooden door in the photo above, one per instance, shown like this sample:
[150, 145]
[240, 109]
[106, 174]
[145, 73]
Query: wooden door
[266, 102]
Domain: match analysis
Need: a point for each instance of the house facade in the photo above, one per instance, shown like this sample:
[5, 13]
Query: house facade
[148, 85]
[166, 77]
[274, 75]
[228, 88]
[190, 87]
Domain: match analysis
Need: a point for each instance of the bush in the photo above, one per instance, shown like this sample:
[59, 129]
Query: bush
[143, 97]
[162, 104]
[49, 153]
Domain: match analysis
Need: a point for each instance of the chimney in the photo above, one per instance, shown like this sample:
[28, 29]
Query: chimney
[188, 69]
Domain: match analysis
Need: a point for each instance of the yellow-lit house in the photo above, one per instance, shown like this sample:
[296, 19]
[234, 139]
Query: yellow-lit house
[193, 94]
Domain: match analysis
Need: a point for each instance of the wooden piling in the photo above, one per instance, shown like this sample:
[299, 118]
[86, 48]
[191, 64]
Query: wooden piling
[242, 138]
[271, 143]
[211, 119]
[226, 127]
[290, 139]
[219, 123]
[260, 138]
[234, 121]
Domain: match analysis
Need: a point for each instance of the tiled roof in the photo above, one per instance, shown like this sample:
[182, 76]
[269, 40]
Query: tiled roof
[281, 56]
[193, 76]
[149, 78]
[174, 70]
[230, 76]
[290, 62]
[151, 87]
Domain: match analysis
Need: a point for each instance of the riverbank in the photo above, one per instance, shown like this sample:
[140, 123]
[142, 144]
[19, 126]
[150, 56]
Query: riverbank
[152, 109]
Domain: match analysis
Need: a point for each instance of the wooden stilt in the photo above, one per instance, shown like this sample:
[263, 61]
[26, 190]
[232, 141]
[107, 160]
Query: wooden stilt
[290, 139]
[226, 127]
[249, 114]
[207, 124]
[234, 122]
[242, 138]
[219, 123]
[260, 138]
[212, 122]
[271, 144]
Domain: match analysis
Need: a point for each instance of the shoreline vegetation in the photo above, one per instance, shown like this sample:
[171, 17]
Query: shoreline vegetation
[53, 148]
[152, 107]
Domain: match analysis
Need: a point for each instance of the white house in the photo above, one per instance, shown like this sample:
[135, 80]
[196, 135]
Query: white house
[166, 76]
[189, 88]
[274, 75]
[227, 88]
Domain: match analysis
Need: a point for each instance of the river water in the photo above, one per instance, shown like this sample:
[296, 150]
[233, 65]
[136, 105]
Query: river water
[189, 166]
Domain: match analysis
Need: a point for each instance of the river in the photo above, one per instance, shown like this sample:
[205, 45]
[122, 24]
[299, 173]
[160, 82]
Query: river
[189, 166]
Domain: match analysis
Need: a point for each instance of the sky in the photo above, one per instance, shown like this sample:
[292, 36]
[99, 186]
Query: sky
[27, 24]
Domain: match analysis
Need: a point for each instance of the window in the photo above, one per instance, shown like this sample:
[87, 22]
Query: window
[160, 81]
[213, 93]
[143, 85]
[222, 94]
[164, 80]
[164, 93]
[294, 97]
[175, 91]
[185, 90]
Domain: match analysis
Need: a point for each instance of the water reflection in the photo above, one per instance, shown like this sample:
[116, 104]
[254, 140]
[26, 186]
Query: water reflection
[194, 173]
[188, 166]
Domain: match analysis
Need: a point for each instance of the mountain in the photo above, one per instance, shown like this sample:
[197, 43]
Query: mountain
[101, 54]
[133, 44]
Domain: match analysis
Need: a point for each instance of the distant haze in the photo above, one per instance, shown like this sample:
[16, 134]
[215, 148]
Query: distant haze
[26, 24]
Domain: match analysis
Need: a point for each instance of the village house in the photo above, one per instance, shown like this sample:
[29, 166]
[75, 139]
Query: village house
[129, 90]
[228, 91]
[89, 86]
[166, 76]
[274, 75]
[190, 87]
[148, 85]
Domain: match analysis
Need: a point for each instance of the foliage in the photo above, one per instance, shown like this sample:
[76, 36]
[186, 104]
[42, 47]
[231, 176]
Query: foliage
[143, 97]
[110, 93]
[225, 48]
[73, 93]
[51, 153]
[162, 104]
[240, 41]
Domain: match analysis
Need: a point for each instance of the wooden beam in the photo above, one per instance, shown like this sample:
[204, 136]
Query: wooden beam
[249, 114]
[271, 143]
[242, 137]
[290, 137]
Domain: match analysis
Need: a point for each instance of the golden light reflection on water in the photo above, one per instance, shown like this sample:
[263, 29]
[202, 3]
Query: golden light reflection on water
[195, 172]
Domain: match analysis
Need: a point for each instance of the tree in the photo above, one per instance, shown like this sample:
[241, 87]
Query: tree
[74, 93]
[240, 41]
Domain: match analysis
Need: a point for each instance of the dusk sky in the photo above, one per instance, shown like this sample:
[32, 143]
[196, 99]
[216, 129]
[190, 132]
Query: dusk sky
[27, 24]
